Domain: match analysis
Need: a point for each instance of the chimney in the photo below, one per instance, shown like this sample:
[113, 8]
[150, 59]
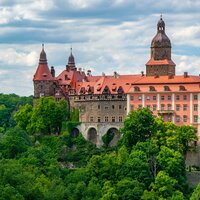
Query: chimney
[52, 71]
[142, 73]
[89, 73]
[185, 74]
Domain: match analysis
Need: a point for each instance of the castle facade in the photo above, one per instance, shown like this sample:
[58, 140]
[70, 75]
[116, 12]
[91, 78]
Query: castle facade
[104, 101]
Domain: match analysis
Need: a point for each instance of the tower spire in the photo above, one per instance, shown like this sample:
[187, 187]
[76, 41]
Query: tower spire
[43, 57]
[71, 60]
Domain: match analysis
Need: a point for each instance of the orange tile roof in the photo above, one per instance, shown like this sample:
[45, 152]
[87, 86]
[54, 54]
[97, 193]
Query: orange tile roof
[43, 73]
[160, 62]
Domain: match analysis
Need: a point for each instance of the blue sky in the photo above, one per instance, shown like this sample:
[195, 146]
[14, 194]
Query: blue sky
[106, 36]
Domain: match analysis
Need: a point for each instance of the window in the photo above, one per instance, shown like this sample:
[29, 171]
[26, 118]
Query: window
[184, 118]
[139, 106]
[154, 98]
[120, 118]
[136, 89]
[177, 118]
[184, 107]
[184, 97]
[140, 98]
[132, 98]
[151, 88]
[106, 107]
[195, 97]
[169, 107]
[91, 119]
[99, 106]
[166, 88]
[162, 97]
[113, 106]
[182, 88]
[169, 98]
[120, 90]
[162, 107]
[113, 119]
[169, 118]
[99, 119]
[106, 90]
[177, 97]
[132, 107]
[195, 118]
[195, 107]
[120, 106]
[154, 107]
[106, 118]
[148, 98]
[177, 107]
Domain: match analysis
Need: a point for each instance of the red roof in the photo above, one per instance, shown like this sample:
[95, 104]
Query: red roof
[43, 73]
[160, 62]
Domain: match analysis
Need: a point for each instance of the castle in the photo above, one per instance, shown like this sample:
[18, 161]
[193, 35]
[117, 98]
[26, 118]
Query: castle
[104, 101]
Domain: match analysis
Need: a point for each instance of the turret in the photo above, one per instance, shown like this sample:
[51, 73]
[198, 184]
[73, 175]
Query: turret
[160, 62]
[43, 79]
[71, 62]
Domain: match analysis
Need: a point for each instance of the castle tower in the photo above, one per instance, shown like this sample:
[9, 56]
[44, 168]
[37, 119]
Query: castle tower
[71, 62]
[44, 83]
[160, 63]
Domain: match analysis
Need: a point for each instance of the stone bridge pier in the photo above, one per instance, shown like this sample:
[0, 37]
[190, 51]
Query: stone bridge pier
[95, 131]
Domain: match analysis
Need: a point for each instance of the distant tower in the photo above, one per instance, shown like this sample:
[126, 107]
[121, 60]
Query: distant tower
[71, 62]
[160, 62]
[44, 82]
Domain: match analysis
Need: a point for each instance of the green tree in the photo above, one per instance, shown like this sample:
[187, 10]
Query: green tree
[196, 193]
[23, 117]
[14, 142]
[136, 167]
[172, 162]
[48, 116]
[129, 189]
[138, 126]
[109, 192]
[164, 187]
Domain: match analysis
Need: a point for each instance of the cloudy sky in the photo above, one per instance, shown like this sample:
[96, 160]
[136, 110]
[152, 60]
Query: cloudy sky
[106, 36]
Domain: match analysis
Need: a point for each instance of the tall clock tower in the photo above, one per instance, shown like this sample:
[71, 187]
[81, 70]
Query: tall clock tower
[160, 63]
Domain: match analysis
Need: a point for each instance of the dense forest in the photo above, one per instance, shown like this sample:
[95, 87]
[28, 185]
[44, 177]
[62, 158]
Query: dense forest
[40, 159]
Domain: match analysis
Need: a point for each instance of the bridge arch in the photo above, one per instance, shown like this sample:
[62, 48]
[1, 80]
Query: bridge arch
[92, 135]
[111, 137]
[75, 132]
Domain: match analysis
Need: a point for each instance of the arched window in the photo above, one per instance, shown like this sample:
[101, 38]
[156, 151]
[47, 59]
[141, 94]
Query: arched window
[152, 88]
[106, 90]
[182, 88]
[166, 88]
[120, 90]
[136, 89]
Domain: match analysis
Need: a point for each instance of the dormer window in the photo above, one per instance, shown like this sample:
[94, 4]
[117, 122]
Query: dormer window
[182, 88]
[166, 88]
[152, 88]
[44, 75]
[136, 89]
[106, 90]
[120, 90]
[82, 91]
[90, 90]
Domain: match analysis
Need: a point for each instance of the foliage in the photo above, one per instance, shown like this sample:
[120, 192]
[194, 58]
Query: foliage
[9, 103]
[45, 117]
[196, 194]
[148, 163]
[138, 126]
